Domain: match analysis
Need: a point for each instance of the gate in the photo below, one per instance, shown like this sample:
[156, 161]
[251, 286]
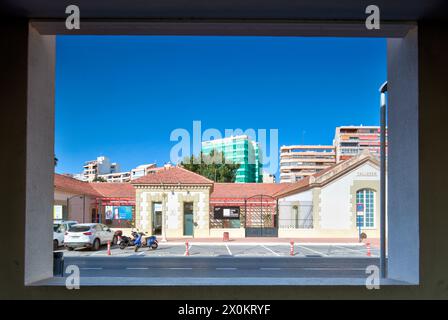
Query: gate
[261, 218]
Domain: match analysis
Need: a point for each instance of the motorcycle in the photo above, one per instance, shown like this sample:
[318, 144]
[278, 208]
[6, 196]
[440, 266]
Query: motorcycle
[135, 241]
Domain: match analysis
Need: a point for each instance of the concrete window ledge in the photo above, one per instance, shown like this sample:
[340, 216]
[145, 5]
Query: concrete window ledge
[136, 281]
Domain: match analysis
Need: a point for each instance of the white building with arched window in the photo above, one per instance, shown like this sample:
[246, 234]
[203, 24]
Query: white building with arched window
[339, 202]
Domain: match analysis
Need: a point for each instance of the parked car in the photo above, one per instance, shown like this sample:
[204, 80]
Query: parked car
[89, 235]
[59, 229]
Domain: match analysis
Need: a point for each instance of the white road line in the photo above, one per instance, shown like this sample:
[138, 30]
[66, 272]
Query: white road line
[180, 268]
[270, 268]
[358, 251]
[91, 268]
[317, 252]
[228, 250]
[137, 268]
[333, 269]
[225, 268]
[270, 250]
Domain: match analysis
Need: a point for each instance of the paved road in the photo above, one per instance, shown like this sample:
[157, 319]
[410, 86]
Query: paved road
[236, 250]
[144, 266]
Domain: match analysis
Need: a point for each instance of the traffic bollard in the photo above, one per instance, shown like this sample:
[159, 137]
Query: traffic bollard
[108, 248]
[291, 251]
[368, 249]
[187, 250]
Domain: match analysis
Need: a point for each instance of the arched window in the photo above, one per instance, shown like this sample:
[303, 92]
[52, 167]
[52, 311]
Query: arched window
[366, 197]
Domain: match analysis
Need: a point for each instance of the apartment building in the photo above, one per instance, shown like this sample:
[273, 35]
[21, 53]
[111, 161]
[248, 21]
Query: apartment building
[350, 141]
[116, 176]
[268, 177]
[241, 150]
[142, 170]
[300, 161]
[100, 166]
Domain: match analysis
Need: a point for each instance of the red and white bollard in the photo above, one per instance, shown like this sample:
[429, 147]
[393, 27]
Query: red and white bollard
[108, 248]
[187, 249]
[291, 250]
[368, 249]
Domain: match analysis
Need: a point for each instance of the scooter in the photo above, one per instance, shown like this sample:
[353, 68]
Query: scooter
[151, 242]
[136, 241]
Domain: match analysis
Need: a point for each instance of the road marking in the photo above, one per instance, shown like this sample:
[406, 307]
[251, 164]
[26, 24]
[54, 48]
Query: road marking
[357, 251]
[330, 268]
[270, 268]
[180, 268]
[317, 252]
[228, 250]
[225, 268]
[270, 250]
[137, 268]
[91, 268]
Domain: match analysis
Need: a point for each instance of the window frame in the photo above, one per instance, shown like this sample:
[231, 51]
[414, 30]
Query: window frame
[403, 135]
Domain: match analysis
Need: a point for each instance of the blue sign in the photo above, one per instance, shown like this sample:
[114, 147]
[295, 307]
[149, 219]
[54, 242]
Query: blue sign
[125, 212]
[360, 208]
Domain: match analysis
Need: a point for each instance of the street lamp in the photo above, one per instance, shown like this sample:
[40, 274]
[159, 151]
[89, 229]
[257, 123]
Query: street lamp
[383, 265]
[164, 196]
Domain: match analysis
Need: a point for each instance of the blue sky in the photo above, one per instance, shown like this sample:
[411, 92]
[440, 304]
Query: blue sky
[122, 96]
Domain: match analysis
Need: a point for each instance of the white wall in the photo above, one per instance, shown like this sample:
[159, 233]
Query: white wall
[302, 196]
[335, 198]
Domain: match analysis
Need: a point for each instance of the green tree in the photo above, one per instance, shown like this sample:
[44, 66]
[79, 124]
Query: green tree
[99, 179]
[212, 166]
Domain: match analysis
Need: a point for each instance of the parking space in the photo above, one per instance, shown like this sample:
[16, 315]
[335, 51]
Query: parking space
[235, 250]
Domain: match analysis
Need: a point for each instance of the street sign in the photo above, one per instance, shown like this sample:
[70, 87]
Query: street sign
[226, 213]
[360, 209]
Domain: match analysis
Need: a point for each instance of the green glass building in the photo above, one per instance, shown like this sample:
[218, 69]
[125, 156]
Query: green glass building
[240, 150]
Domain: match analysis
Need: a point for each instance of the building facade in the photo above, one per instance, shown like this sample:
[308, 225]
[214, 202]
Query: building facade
[142, 170]
[339, 202]
[241, 150]
[268, 177]
[300, 161]
[173, 202]
[116, 177]
[100, 166]
[112, 204]
[350, 141]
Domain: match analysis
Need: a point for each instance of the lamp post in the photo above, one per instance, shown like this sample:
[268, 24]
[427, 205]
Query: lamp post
[164, 196]
[383, 265]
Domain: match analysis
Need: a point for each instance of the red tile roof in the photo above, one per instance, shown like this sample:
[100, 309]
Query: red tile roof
[114, 190]
[95, 189]
[68, 184]
[173, 175]
[295, 186]
[246, 190]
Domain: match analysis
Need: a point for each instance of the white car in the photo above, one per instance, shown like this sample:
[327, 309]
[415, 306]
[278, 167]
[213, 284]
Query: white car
[90, 235]
[59, 229]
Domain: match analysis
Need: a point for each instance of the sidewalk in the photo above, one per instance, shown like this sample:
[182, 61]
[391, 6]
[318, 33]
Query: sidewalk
[374, 242]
